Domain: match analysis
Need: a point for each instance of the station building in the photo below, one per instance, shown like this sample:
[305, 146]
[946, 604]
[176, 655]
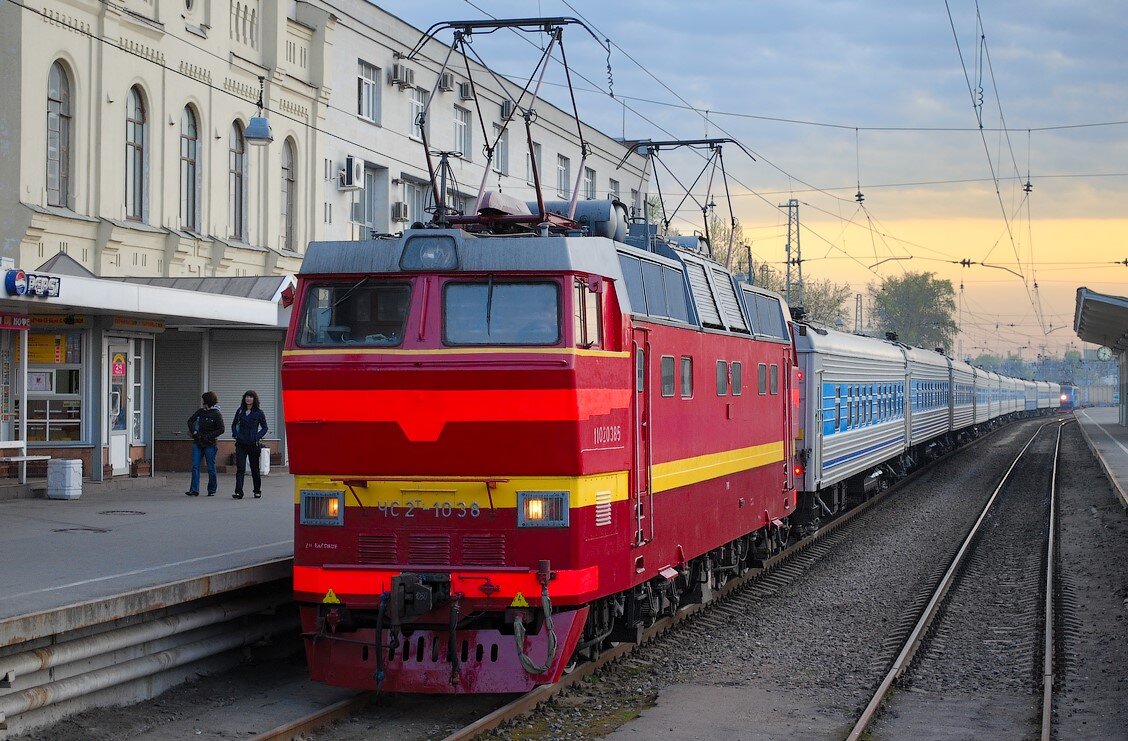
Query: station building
[156, 240]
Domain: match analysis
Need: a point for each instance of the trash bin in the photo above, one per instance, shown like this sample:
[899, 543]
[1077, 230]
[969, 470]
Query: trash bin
[64, 478]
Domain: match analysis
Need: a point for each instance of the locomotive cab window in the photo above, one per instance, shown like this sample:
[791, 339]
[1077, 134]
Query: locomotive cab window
[496, 313]
[586, 318]
[364, 313]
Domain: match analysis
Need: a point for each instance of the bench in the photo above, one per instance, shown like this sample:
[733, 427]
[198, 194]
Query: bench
[20, 448]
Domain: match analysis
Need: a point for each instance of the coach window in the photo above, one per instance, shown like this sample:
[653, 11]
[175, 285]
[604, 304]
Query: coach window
[587, 324]
[722, 378]
[837, 407]
[686, 377]
[737, 378]
[667, 375]
[762, 378]
[775, 379]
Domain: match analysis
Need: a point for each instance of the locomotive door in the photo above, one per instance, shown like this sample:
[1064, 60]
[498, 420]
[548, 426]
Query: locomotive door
[641, 486]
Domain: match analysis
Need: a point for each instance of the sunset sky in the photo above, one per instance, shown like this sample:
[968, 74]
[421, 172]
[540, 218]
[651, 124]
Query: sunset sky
[832, 95]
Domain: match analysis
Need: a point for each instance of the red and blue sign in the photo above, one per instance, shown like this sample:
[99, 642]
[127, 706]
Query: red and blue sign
[19, 283]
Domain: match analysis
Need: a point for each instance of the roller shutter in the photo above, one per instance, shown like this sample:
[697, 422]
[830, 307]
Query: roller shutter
[237, 365]
[703, 295]
[176, 393]
[729, 305]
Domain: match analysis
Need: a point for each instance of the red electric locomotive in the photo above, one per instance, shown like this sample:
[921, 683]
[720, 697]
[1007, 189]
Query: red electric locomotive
[517, 436]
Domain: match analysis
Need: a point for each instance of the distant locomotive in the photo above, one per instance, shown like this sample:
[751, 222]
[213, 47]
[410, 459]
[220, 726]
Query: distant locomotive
[1068, 398]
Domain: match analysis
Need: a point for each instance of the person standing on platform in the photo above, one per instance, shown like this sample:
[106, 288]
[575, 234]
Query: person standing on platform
[248, 429]
[205, 427]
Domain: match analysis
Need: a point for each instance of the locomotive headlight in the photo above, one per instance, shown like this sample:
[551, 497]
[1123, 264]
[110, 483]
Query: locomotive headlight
[430, 252]
[1064, 397]
[542, 509]
[322, 507]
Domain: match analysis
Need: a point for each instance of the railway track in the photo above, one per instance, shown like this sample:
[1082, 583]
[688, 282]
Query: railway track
[738, 593]
[989, 568]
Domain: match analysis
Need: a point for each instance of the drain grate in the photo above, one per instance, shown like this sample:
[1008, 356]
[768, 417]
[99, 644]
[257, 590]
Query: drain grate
[80, 530]
[122, 512]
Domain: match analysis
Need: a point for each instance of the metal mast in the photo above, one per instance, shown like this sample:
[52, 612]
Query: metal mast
[792, 207]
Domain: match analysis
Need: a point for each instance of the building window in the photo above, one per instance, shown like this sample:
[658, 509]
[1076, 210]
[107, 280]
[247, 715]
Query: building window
[418, 103]
[289, 194]
[415, 196]
[531, 161]
[636, 203]
[667, 375]
[368, 92]
[135, 135]
[54, 387]
[58, 136]
[189, 171]
[501, 150]
[366, 207]
[589, 183]
[722, 378]
[237, 183]
[462, 139]
[563, 175]
[686, 377]
[613, 189]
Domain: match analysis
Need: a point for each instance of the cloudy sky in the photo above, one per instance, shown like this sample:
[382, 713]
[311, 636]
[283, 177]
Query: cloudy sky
[830, 94]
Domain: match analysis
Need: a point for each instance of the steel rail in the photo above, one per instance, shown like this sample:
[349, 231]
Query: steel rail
[531, 700]
[1048, 632]
[916, 637]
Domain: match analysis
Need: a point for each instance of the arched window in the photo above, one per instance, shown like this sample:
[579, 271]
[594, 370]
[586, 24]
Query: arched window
[237, 183]
[58, 136]
[289, 194]
[189, 171]
[135, 136]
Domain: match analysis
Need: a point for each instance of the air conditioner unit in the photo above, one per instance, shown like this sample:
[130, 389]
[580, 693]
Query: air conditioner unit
[403, 76]
[399, 211]
[351, 177]
[506, 109]
[446, 81]
[465, 91]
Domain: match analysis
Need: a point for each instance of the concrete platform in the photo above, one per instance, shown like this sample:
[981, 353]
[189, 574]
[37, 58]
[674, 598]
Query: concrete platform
[64, 553]
[1109, 441]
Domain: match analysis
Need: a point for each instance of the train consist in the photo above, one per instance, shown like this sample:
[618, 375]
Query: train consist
[511, 448]
[526, 432]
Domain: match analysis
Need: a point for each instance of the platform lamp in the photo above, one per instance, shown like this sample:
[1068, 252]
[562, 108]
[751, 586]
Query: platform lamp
[258, 128]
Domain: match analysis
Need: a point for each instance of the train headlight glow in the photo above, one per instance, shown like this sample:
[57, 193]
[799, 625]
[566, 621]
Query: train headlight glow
[542, 509]
[322, 508]
[1065, 397]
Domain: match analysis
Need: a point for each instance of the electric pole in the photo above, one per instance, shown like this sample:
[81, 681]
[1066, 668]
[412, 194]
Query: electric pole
[792, 207]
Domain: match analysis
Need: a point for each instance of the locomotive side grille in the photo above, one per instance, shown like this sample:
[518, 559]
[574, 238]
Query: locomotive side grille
[602, 508]
[433, 550]
[376, 549]
[483, 550]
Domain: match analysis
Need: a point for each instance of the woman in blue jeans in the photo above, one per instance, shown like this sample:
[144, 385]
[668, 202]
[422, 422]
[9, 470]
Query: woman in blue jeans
[205, 427]
[248, 429]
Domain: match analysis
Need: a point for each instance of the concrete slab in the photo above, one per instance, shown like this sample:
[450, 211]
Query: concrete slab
[1109, 442]
[60, 553]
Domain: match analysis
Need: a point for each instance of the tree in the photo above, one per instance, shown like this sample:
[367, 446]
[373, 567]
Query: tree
[919, 307]
[824, 301]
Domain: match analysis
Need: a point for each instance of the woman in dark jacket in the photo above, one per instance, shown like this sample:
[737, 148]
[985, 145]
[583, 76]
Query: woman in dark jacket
[248, 428]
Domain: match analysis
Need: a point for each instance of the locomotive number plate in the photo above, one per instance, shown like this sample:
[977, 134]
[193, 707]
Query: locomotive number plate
[437, 510]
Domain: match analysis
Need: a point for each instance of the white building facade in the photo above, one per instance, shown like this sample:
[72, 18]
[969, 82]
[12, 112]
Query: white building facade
[124, 155]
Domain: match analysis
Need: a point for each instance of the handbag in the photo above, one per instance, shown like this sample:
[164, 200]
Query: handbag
[264, 460]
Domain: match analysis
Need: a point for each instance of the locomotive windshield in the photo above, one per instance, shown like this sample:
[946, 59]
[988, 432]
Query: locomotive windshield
[364, 313]
[493, 313]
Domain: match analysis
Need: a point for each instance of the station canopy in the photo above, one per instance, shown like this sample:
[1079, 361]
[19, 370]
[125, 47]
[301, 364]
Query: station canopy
[1102, 319]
